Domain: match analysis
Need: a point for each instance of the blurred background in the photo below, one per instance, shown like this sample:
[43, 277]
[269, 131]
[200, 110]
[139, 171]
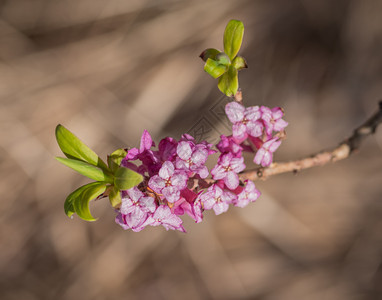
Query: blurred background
[107, 70]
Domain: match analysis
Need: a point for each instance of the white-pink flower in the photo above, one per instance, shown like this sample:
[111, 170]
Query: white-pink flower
[272, 119]
[191, 158]
[227, 168]
[169, 182]
[247, 195]
[245, 121]
[217, 199]
[264, 156]
[163, 216]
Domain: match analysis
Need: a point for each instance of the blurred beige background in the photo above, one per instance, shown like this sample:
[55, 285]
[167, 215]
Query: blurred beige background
[109, 69]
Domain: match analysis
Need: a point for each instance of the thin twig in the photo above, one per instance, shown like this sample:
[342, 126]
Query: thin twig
[344, 150]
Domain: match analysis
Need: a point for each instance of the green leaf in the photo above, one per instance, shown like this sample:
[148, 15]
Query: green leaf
[74, 148]
[125, 178]
[233, 37]
[213, 68]
[68, 205]
[239, 63]
[209, 53]
[223, 59]
[114, 160]
[86, 169]
[115, 196]
[81, 203]
[229, 83]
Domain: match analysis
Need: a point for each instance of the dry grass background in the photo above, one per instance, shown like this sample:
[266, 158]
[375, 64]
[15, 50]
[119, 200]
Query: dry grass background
[109, 69]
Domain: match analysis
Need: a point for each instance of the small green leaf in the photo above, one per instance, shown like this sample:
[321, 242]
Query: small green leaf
[239, 63]
[68, 205]
[74, 148]
[86, 169]
[233, 37]
[223, 59]
[115, 196]
[125, 178]
[81, 203]
[209, 53]
[229, 83]
[213, 68]
[114, 160]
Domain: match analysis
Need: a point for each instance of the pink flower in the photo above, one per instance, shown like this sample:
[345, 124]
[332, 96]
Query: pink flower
[264, 156]
[150, 161]
[167, 149]
[163, 216]
[247, 195]
[136, 200]
[228, 144]
[182, 206]
[245, 121]
[272, 119]
[134, 221]
[191, 158]
[135, 209]
[227, 168]
[169, 182]
[217, 199]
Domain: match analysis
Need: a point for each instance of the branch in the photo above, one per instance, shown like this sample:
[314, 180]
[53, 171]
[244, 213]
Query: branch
[344, 150]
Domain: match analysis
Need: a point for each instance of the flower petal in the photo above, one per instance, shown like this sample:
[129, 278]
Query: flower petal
[255, 129]
[134, 194]
[167, 170]
[148, 204]
[179, 180]
[259, 156]
[184, 150]
[162, 213]
[239, 132]
[156, 183]
[267, 159]
[203, 172]
[171, 193]
[252, 113]
[146, 141]
[237, 164]
[277, 113]
[220, 207]
[235, 112]
[274, 146]
[199, 157]
[279, 125]
[218, 172]
[231, 180]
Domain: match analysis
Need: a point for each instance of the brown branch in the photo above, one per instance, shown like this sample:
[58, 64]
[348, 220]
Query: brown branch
[344, 150]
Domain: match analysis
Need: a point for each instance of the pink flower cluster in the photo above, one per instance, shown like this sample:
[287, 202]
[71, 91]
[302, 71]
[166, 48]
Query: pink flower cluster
[164, 195]
[170, 171]
[254, 129]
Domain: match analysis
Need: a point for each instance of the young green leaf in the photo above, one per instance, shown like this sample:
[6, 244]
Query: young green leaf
[125, 178]
[81, 203]
[239, 63]
[213, 68]
[86, 169]
[74, 148]
[68, 205]
[229, 83]
[209, 53]
[115, 196]
[233, 37]
[114, 160]
[223, 59]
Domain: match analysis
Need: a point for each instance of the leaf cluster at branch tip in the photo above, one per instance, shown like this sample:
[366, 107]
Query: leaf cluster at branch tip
[226, 64]
[109, 178]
